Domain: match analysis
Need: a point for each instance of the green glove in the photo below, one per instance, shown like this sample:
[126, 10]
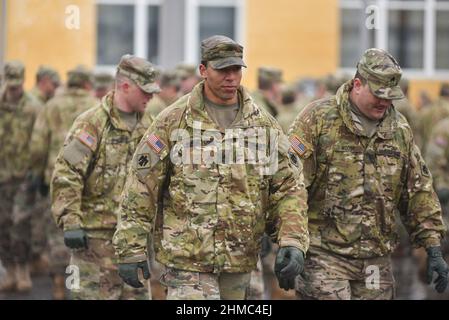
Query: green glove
[128, 272]
[289, 264]
[443, 195]
[435, 262]
[75, 239]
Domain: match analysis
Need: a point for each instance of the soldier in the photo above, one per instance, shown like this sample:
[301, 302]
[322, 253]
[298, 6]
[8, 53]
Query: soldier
[89, 175]
[207, 217]
[431, 115]
[103, 83]
[188, 77]
[169, 83]
[269, 94]
[17, 115]
[49, 132]
[47, 81]
[362, 166]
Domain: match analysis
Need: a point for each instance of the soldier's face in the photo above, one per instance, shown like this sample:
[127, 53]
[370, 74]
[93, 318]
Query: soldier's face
[371, 106]
[15, 92]
[221, 84]
[137, 98]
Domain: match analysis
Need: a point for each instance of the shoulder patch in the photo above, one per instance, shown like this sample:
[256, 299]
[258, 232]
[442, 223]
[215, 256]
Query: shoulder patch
[155, 143]
[143, 161]
[298, 145]
[89, 140]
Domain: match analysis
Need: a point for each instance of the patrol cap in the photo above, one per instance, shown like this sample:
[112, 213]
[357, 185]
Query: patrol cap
[221, 52]
[79, 75]
[14, 73]
[270, 74]
[139, 70]
[186, 70]
[103, 80]
[382, 72]
[48, 71]
[170, 78]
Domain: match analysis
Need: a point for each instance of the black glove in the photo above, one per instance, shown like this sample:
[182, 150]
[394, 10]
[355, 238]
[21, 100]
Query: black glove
[435, 262]
[75, 239]
[289, 264]
[443, 195]
[128, 272]
[265, 246]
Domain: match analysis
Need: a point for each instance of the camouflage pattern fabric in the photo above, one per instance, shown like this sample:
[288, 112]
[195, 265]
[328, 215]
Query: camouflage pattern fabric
[357, 184]
[98, 275]
[428, 119]
[347, 279]
[221, 52]
[213, 214]
[270, 106]
[188, 285]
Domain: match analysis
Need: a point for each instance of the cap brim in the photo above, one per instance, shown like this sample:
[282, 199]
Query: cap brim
[14, 82]
[383, 92]
[150, 88]
[227, 62]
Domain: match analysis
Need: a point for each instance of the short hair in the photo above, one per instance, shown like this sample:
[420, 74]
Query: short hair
[360, 77]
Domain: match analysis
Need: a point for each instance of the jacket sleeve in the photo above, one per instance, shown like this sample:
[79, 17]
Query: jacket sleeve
[70, 173]
[139, 199]
[419, 206]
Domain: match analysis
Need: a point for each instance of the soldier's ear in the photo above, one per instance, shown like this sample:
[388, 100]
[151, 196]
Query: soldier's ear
[203, 69]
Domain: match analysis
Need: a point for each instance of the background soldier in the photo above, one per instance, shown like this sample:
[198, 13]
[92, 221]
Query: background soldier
[49, 132]
[17, 115]
[170, 84]
[361, 167]
[90, 173]
[188, 76]
[103, 83]
[47, 81]
[269, 93]
[213, 214]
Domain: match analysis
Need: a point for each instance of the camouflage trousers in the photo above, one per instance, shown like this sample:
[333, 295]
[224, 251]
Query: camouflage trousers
[329, 276]
[188, 285]
[8, 192]
[40, 218]
[98, 275]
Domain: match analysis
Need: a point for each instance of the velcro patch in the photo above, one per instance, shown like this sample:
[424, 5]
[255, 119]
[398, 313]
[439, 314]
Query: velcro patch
[143, 161]
[155, 143]
[87, 139]
[298, 145]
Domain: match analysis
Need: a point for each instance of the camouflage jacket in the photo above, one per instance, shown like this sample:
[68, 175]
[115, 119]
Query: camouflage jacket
[211, 215]
[264, 103]
[429, 117]
[38, 95]
[91, 168]
[16, 124]
[357, 184]
[437, 155]
[51, 127]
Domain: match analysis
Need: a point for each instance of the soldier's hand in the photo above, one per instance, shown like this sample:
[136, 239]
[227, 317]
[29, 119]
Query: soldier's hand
[443, 195]
[436, 263]
[128, 272]
[75, 239]
[289, 264]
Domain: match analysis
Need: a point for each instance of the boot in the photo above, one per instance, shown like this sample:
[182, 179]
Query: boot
[23, 279]
[58, 287]
[39, 265]
[8, 282]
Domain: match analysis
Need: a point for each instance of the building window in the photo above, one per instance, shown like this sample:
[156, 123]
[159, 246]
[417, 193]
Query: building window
[416, 32]
[127, 26]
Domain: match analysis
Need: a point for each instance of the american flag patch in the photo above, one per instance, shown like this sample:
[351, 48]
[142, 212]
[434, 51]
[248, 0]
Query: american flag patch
[87, 139]
[298, 145]
[155, 143]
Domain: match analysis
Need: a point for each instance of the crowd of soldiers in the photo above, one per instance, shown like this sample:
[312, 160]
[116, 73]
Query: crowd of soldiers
[88, 178]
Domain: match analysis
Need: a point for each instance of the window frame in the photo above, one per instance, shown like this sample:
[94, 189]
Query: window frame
[430, 9]
[140, 28]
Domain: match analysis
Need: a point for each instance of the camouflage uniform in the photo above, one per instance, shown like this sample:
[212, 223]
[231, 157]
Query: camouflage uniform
[88, 179]
[16, 123]
[158, 103]
[44, 71]
[207, 219]
[357, 184]
[50, 130]
[103, 83]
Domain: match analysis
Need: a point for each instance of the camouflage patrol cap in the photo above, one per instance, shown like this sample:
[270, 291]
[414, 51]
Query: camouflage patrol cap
[270, 74]
[221, 52]
[14, 73]
[48, 71]
[185, 70]
[103, 80]
[382, 72]
[78, 76]
[170, 78]
[139, 70]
